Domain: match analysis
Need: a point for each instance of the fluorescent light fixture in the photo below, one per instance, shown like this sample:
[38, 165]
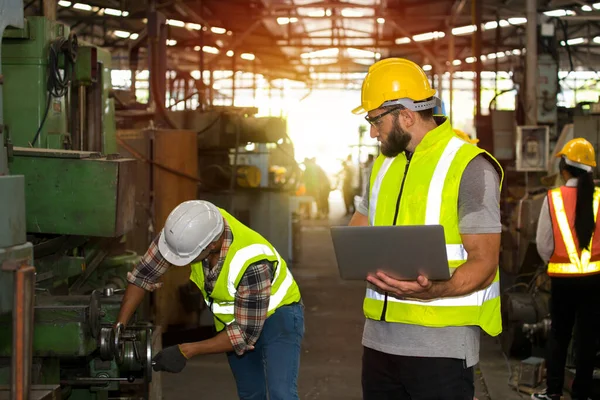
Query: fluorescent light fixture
[210, 49]
[596, 40]
[328, 12]
[112, 11]
[64, 3]
[348, 12]
[586, 8]
[483, 57]
[247, 56]
[490, 25]
[316, 13]
[124, 13]
[197, 48]
[463, 30]
[381, 20]
[171, 42]
[134, 36]
[122, 34]
[470, 60]
[427, 67]
[174, 22]
[456, 62]
[428, 36]
[218, 31]
[517, 21]
[192, 26]
[500, 54]
[596, 6]
[559, 13]
[504, 23]
[286, 20]
[81, 6]
[573, 42]
[331, 52]
[490, 56]
[403, 40]
[516, 52]
[229, 53]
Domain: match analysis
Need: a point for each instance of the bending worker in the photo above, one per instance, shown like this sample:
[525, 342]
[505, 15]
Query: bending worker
[254, 298]
[568, 238]
[421, 338]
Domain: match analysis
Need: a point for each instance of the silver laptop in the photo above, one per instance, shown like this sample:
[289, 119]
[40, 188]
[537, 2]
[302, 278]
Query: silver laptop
[403, 252]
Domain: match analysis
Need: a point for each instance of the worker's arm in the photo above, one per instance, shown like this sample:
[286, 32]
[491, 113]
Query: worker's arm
[359, 219]
[475, 274]
[544, 238]
[144, 278]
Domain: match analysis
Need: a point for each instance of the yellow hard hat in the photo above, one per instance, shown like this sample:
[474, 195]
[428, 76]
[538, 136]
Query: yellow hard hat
[394, 79]
[579, 153]
[465, 137]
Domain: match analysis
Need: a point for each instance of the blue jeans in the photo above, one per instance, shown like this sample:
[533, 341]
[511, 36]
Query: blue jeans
[272, 367]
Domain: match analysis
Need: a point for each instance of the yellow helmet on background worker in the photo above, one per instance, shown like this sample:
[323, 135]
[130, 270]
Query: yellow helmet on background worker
[579, 153]
[396, 81]
[465, 137]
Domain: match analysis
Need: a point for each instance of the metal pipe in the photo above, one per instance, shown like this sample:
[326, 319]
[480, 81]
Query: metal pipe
[531, 71]
[477, 39]
[22, 333]
[451, 70]
[82, 118]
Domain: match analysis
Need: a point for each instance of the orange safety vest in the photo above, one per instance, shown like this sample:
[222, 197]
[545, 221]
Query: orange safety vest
[568, 259]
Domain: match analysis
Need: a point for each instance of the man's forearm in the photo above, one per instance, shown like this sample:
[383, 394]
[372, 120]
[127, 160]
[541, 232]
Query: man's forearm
[131, 300]
[464, 281]
[217, 344]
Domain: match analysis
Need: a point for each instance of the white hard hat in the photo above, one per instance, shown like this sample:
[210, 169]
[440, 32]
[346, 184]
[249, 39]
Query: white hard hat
[189, 229]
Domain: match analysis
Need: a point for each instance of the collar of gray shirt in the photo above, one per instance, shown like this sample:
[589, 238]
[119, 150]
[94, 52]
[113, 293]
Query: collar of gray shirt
[571, 182]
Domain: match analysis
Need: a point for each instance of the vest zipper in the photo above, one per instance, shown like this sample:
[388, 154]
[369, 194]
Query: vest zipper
[408, 157]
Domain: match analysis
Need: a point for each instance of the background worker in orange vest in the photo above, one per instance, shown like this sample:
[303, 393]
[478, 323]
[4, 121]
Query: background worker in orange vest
[568, 237]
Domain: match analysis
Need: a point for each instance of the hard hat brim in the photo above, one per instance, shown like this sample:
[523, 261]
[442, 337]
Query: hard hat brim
[359, 110]
[171, 256]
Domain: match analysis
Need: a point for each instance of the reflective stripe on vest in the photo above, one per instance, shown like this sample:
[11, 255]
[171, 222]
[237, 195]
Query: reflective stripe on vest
[473, 299]
[375, 189]
[436, 187]
[578, 265]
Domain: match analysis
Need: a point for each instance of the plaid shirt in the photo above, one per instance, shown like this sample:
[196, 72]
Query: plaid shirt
[251, 299]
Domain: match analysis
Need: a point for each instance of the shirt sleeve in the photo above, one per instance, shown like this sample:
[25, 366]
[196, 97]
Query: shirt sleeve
[479, 198]
[150, 268]
[544, 238]
[363, 205]
[251, 307]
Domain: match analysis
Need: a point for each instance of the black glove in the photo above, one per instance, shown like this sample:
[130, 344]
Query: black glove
[170, 359]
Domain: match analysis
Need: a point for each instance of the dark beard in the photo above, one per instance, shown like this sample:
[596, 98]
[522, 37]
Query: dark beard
[396, 142]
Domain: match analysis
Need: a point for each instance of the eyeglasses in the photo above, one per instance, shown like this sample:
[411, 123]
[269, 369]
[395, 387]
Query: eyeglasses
[374, 121]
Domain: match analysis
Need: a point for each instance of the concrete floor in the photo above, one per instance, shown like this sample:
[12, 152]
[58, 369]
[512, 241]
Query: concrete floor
[331, 356]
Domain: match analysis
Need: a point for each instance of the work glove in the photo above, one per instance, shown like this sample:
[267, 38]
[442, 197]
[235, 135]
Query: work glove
[170, 359]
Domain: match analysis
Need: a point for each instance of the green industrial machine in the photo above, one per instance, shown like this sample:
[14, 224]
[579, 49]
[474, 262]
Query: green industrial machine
[79, 198]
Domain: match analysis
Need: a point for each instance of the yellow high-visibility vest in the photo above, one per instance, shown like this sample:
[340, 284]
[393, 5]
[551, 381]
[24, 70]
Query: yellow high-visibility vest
[247, 248]
[424, 191]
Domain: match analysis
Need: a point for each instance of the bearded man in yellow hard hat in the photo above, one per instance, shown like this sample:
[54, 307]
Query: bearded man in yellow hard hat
[421, 338]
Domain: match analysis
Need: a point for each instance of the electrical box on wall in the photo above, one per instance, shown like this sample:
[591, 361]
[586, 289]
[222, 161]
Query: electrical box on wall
[533, 147]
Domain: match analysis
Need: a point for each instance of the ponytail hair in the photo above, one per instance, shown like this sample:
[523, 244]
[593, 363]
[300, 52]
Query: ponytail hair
[584, 209]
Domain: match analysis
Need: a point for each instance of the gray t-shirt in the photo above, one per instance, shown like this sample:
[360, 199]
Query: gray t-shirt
[478, 213]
